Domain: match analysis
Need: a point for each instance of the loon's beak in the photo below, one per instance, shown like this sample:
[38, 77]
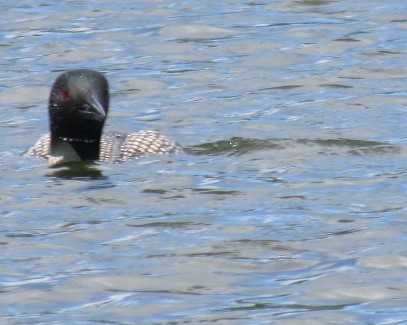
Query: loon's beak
[94, 109]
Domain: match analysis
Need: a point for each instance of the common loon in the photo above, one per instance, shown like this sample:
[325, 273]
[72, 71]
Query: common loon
[78, 107]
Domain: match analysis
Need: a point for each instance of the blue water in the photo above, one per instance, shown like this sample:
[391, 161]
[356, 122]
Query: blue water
[288, 205]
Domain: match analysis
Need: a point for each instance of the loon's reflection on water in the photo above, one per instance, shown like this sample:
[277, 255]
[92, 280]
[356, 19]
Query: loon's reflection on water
[77, 170]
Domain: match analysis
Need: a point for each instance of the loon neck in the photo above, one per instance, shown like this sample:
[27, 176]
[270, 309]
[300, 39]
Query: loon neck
[74, 149]
[75, 137]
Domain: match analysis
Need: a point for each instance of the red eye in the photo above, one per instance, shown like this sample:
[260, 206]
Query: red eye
[64, 94]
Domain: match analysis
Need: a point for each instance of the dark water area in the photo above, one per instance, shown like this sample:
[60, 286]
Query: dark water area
[288, 204]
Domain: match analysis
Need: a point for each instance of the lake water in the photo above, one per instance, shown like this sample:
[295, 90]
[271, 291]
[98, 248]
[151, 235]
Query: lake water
[289, 203]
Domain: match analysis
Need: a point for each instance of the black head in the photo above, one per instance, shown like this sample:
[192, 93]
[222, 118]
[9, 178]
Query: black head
[78, 107]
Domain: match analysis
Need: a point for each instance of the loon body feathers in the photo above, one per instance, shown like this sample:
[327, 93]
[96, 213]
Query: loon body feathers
[117, 147]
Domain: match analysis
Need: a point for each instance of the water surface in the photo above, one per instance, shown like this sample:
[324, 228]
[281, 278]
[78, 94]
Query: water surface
[289, 203]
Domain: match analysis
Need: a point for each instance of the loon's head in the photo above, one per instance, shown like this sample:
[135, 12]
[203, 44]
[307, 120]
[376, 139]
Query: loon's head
[78, 107]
